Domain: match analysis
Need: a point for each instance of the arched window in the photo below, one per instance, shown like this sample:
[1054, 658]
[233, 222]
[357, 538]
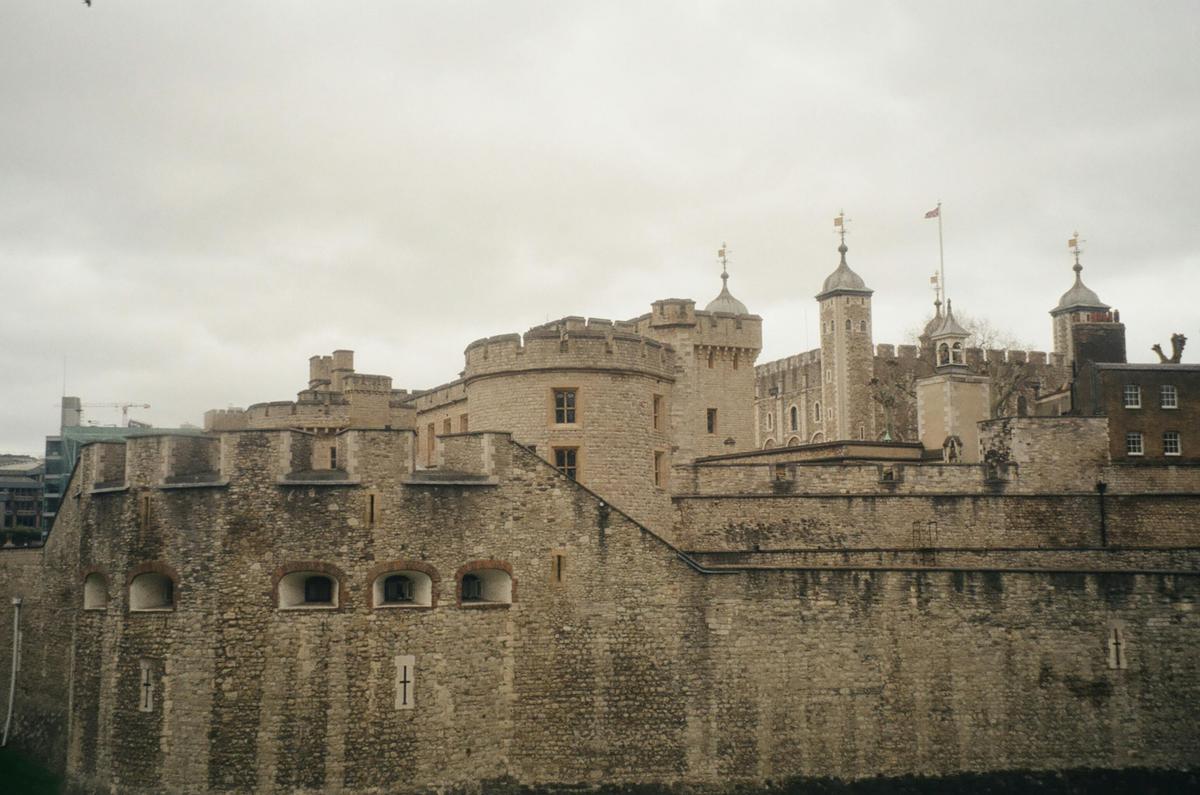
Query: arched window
[956, 353]
[862, 325]
[768, 444]
[151, 591]
[794, 441]
[486, 583]
[952, 450]
[770, 421]
[848, 327]
[711, 356]
[308, 586]
[817, 411]
[95, 591]
[795, 418]
[403, 583]
[817, 437]
[943, 355]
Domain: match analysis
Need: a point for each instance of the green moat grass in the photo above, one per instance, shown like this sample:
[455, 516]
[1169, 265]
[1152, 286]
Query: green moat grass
[18, 774]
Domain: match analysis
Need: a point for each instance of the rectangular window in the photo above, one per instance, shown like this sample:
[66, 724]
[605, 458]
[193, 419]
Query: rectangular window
[657, 422]
[564, 406]
[1133, 396]
[462, 423]
[429, 441]
[559, 567]
[712, 420]
[333, 458]
[1171, 443]
[145, 687]
[370, 512]
[660, 468]
[1170, 396]
[144, 512]
[566, 461]
[1133, 443]
[447, 426]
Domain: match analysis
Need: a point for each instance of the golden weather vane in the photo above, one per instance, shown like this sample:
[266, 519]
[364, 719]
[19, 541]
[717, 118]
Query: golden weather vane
[1073, 244]
[839, 224]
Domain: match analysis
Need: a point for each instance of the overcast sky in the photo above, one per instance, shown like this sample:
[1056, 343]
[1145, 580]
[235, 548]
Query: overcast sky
[195, 198]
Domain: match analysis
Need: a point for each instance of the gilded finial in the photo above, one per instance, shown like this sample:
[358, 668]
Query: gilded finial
[722, 255]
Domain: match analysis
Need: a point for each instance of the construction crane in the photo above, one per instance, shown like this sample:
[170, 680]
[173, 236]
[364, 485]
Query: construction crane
[124, 407]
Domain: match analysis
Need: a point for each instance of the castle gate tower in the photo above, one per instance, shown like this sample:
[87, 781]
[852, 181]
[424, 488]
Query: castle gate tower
[847, 354]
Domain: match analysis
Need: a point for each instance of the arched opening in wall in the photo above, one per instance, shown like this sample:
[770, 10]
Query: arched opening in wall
[485, 584]
[794, 418]
[711, 356]
[943, 354]
[956, 353]
[402, 588]
[793, 442]
[307, 590]
[151, 591]
[95, 591]
[768, 444]
[862, 325]
[952, 450]
[819, 436]
[817, 411]
[770, 421]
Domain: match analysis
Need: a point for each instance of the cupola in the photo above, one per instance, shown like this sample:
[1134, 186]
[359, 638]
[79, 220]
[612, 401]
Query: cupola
[843, 281]
[1080, 298]
[725, 302]
[949, 341]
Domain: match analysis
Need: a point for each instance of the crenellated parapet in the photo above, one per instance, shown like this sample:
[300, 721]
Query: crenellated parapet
[571, 343]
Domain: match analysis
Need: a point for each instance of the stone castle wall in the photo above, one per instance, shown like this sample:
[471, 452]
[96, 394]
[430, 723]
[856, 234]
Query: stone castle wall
[634, 665]
[796, 380]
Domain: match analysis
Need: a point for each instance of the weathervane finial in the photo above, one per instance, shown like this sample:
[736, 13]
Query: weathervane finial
[722, 255]
[1073, 244]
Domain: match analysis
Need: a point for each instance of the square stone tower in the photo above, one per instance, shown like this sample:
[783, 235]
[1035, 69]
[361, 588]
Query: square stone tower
[847, 354]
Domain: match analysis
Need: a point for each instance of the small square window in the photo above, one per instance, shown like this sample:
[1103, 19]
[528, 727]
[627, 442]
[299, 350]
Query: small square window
[566, 461]
[712, 420]
[1171, 443]
[1133, 396]
[1170, 396]
[1133, 443]
[564, 406]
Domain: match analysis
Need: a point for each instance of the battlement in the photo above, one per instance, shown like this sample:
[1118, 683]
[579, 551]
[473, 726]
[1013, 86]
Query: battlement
[793, 362]
[572, 343]
[441, 395]
[361, 382]
[675, 319]
[276, 457]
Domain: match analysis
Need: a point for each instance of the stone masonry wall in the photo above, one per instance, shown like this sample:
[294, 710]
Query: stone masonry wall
[617, 661]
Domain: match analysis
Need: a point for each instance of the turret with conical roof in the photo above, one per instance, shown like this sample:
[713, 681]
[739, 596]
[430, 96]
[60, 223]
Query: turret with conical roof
[847, 353]
[1078, 305]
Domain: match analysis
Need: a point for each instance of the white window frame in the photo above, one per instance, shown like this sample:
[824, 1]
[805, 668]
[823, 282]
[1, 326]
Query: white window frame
[1130, 438]
[1168, 390]
[1131, 397]
[1177, 437]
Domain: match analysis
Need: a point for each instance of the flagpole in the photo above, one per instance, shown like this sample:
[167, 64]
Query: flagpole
[941, 254]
